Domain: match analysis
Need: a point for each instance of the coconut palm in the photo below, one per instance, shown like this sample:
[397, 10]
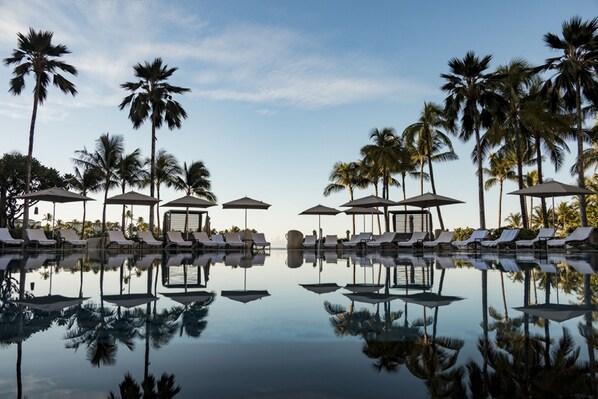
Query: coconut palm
[84, 181]
[429, 140]
[167, 168]
[472, 97]
[500, 170]
[152, 98]
[105, 159]
[514, 220]
[130, 172]
[575, 76]
[37, 55]
[345, 175]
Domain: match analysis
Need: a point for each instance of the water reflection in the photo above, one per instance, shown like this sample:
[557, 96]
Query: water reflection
[462, 325]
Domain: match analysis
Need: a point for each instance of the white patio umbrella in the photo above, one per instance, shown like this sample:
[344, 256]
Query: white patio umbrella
[245, 203]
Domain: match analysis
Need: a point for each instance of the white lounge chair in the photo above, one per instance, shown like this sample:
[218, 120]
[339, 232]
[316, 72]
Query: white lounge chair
[544, 234]
[259, 241]
[310, 241]
[38, 238]
[147, 238]
[507, 238]
[578, 237]
[7, 239]
[358, 241]
[385, 239]
[70, 237]
[233, 241]
[444, 240]
[219, 240]
[476, 237]
[202, 240]
[331, 241]
[116, 238]
[175, 239]
[417, 238]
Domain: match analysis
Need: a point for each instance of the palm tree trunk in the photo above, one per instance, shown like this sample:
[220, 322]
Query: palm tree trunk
[580, 178]
[478, 149]
[540, 179]
[152, 176]
[104, 207]
[404, 198]
[353, 216]
[519, 155]
[30, 154]
[158, 207]
[378, 215]
[83, 223]
[440, 221]
[122, 228]
[500, 203]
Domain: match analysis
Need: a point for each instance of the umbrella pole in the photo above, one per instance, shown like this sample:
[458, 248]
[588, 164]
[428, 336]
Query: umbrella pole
[245, 218]
[553, 219]
[53, 216]
[319, 233]
[364, 224]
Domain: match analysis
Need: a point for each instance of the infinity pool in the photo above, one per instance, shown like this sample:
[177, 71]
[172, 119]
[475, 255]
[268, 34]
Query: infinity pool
[290, 324]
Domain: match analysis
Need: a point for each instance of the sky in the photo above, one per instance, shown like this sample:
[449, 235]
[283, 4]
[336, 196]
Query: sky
[280, 91]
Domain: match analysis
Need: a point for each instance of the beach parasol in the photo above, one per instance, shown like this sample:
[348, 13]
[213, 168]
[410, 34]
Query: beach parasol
[132, 198]
[551, 189]
[430, 299]
[320, 210]
[129, 300]
[371, 201]
[54, 195]
[428, 200]
[371, 297]
[187, 298]
[245, 203]
[363, 287]
[361, 210]
[50, 303]
[320, 287]
[556, 312]
[245, 261]
[187, 202]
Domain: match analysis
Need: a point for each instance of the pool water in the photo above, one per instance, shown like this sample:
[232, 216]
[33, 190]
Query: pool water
[294, 324]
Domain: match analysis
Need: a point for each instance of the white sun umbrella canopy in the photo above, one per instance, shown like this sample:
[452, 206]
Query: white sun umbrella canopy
[551, 189]
[245, 203]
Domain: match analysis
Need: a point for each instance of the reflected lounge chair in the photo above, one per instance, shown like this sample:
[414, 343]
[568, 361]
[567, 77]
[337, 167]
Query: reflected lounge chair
[476, 237]
[202, 240]
[544, 234]
[118, 240]
[7, 239]
[175, 239]
[443, 241]
[69, 237]
[38, 238]
[506, 239]
[577, 238]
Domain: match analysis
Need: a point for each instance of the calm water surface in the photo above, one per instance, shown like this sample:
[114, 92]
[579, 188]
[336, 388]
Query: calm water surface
[276, 326]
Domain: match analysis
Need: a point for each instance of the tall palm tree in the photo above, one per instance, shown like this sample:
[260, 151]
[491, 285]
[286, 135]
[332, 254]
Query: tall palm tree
[575, 75]
[105, 159]
[85, 180]
[472, 96]
[37, 55]
[429, 140]
[500, 169]
[345, 175]
[194, 180]
[130, 172]
[167, 168]
[383, 154]
[152, 98]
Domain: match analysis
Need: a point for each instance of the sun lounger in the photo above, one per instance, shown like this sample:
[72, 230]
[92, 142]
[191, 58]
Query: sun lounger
[416, 240]
[38, 238]
[386, 239]
[117, 239]
[70, 237]
[509, 265]
[175, 239]
[358, 240]
[581, 266]
[219, 240]
[578, 237]
[259, 241]
[443, 241]
[507, 238]
[544, 234]
[310, 241]
[331, 241]
[7, 260]
[476, 237]
[233, 241]
[202, 240]
[7, 239]
[147, 238]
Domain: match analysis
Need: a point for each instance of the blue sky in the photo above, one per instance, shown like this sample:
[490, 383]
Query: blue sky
[280, 89]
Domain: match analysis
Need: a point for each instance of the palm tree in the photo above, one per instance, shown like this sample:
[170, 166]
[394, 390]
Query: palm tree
[383, 154]
[84, 182]
[130, 172]
[472, 95]
[345, 175]
[575, 75]
[194, 180]
[500, 169]
[38, 56]
[151, 98]
[514, 220]
[167, 168]
[105, 159]
[428, 139]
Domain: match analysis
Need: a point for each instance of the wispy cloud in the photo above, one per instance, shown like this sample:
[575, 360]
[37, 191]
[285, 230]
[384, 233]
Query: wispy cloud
[266, 65]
